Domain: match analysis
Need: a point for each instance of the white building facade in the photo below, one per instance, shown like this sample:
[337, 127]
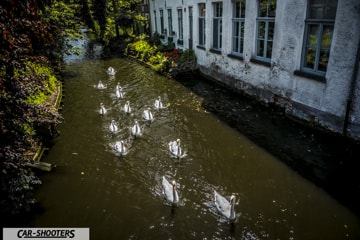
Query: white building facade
[302, 55]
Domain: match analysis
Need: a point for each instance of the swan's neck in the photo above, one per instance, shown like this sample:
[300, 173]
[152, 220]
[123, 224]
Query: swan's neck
[232, 211]
[178, 153]
[175, 196]
[122, 147]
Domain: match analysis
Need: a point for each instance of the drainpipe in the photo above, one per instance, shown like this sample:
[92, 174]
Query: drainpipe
[352, 90]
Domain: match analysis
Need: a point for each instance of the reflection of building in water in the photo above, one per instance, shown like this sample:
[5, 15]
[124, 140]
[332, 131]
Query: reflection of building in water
[301, 55]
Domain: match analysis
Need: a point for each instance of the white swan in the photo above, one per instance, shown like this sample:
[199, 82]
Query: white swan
[136, 130]
[169, 191]
[113, 127]
[158, 104]
[100, 85]
[224, 206]
[147, 115]
[118, 87]
[127, 107]
[102, 109]
[119, 93]
[175, 148]
[111, 71]
[120, 147]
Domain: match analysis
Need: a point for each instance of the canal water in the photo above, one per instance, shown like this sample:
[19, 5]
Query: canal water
[120, 197]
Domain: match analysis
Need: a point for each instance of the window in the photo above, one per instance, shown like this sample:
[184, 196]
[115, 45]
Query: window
[155, 20]
[217, 26]
[180, 24]
[202, 12]
[319, 27]
[162, 22]
[265, 29]
[190, 28]
[238, 23]
[170, 22]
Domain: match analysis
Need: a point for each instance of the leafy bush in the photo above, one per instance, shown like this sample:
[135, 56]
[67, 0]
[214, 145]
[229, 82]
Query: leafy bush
[156, 59]
[173, 55]
[49, 82]
[187, 55]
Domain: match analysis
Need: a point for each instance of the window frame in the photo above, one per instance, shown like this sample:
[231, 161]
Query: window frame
[320, 23]
[170, 25]
[202, 24]
[217, 26]
[238, 39]
[162, 29]
[155, 21]
[180, 24]
[267, 20]
[191, 22]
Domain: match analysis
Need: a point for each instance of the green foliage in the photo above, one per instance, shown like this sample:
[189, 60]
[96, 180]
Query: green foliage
[40, 95]
[110, 31]
[161, 58]
[29, 45]
[24, 127]
[64, 15]
[158, 67]
[141, 46]
[187, 55]
[157, 58]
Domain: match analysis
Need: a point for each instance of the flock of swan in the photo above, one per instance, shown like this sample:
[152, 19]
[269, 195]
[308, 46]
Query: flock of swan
[224, 205]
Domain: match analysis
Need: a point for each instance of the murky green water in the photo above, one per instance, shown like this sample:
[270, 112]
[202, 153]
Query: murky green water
[119, 197]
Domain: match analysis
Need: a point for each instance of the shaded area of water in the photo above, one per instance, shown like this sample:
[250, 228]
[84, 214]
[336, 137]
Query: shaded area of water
[119, 197]
[329, 160]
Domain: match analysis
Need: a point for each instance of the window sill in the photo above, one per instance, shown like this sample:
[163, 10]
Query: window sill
[201, 47]
[236, 57]
[310, 76]
[267, 64]
[212, 50]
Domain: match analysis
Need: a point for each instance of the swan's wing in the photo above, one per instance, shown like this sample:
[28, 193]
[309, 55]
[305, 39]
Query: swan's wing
[222, 204]
[173, 147]
[133, 129]
[147, 115]
[116, 146]
[167, 189]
